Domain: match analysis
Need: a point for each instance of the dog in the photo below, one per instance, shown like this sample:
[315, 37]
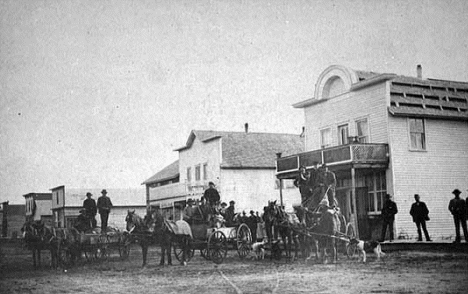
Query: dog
[363, 246]
[259, 249]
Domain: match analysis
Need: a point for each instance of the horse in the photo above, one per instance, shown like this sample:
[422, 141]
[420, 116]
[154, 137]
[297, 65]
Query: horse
[323, 224]
[283, 224]
[155, 228]
[37, 237]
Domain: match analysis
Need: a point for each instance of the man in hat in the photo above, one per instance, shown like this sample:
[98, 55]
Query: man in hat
[211, 195]
[389, 210]
[104, 205]
[82, 222]
[230, 212]
[190, 211]
[420, 214]
[89, 205]
[457, 208]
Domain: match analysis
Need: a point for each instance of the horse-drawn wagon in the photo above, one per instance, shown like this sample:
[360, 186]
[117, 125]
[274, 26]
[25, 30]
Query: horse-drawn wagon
[214, 242]
[94, 245]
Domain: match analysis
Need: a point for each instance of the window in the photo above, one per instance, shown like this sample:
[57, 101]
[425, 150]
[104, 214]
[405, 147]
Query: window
[362, 130]
[377, 188]
[197, 173]
[417, 134]
[325, 138]
[205, 171]
[189, 174]
[343, 134]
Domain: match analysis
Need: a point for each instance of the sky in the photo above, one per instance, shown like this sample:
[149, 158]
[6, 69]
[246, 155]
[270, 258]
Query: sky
[99, 93]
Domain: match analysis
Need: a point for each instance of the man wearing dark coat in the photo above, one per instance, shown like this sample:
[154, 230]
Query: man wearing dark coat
[230, 212]
[211, 195]
[303, 183]
[420, 215]
[389, 210]
[458, 209]
[104, 205]
[89, 205]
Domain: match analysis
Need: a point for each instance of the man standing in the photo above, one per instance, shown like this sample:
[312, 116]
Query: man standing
[253, 225]
[302, 182]
[389, 210]
[104, 206]
[211, 195]
[420, 215]
[90, 208]
[458, 210]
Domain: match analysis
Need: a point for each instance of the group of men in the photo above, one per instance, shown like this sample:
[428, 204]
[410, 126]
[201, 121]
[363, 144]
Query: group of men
[458, 207]
[314, 184]
[87, 218]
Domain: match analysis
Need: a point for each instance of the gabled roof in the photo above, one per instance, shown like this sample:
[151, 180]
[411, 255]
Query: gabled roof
[39, 196]
[250, 150]
[169, 172]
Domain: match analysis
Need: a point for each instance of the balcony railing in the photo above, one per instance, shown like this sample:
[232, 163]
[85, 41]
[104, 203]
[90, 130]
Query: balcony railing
[176, 190]
[373, 154]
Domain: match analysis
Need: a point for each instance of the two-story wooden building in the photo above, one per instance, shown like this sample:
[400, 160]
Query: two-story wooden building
[39, 207]
[241, 164]
[386, 133]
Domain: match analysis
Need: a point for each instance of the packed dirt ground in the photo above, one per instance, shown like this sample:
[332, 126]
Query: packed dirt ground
[397, 272]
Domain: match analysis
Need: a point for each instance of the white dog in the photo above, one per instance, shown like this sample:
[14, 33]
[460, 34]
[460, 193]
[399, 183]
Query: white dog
[259, 249]
[363, 246]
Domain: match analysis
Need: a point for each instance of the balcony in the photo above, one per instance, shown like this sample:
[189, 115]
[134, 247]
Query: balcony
[176, 191]
[339, 157]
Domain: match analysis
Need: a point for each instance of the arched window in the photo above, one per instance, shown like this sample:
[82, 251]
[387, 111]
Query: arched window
[333, 87]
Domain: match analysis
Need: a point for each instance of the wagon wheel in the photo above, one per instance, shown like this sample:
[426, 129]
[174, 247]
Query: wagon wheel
[102, 250]
[244, 240]
[351, 234]
[217, 247]
[179, 250]
[124, 246]
[276, 251]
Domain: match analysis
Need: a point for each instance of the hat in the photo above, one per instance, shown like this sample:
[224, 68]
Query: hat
[190, 200]
[224, 204]
[104, 191]
[89, 194]
[211, 183]
[232, 202]
[252, 211]
[456, 192]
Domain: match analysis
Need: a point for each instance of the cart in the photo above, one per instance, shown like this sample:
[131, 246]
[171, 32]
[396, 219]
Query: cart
[214, 243]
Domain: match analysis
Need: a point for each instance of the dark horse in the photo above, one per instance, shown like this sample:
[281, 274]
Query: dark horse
[154, 228]
[37, 237]
[278, 222]
[323, 227]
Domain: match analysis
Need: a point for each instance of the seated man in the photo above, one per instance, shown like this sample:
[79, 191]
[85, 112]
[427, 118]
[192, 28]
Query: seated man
[82, 223]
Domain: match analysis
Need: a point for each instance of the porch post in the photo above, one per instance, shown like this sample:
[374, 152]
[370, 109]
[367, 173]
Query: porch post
[278, 155]
[353, 199]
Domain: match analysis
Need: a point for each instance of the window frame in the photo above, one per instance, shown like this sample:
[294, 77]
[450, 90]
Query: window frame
[189, 174]
[376, 191]
[340, 128]
[367, 135]
[197, 173]
[421, 145]
[205, 171]
[329, 137]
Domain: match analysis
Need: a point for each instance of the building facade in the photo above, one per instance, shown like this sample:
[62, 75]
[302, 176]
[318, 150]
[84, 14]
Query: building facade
[13, 219]
[67, 202]
[240, 164]
[385, 133]
[39, 207]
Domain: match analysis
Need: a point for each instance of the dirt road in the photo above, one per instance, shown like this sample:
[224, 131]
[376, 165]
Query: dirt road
[398, 272]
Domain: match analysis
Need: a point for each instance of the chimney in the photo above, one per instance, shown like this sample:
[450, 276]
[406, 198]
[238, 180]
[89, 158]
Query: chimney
[419, 71]
[246, 125]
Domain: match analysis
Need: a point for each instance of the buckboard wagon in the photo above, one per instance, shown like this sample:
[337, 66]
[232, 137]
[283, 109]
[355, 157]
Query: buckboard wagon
[214, 243]
[95, 246]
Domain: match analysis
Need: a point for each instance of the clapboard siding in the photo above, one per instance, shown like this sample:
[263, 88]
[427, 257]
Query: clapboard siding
[433, 173]
[252, 189]
[347, 108]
